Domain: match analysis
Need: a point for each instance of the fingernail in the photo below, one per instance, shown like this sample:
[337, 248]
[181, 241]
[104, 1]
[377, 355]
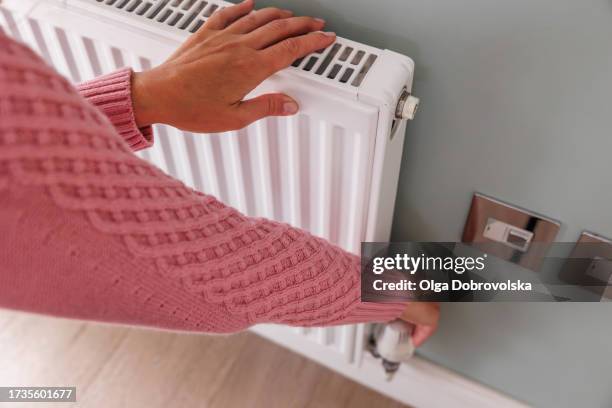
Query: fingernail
[329, 33]
[320, 20]
[290, 107]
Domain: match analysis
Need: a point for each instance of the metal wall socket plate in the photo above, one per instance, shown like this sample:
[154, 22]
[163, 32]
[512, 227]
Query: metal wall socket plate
[508, 232]
[590, 265]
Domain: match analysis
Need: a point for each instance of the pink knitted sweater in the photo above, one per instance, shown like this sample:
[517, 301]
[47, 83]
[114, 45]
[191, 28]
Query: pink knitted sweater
[90, 231]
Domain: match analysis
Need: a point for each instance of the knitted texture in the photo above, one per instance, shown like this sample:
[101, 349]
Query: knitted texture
[89, 230]
[112, 95]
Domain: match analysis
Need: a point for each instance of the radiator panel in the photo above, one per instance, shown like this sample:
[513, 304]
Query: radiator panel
[316, 170]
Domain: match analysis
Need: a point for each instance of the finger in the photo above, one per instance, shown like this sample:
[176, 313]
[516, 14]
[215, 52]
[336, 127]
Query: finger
[257, 19]
[267, 105]
[222, 18]
[283, 54]
[279, 30]
[421, 333]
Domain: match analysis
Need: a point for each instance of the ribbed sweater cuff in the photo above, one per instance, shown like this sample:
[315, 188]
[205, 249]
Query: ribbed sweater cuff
[375, 312]
[112, 94]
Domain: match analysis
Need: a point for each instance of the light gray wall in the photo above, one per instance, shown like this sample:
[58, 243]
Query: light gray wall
[516, 103]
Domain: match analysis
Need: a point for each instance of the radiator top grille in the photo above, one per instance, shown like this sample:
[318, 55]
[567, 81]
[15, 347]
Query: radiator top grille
[343, 63]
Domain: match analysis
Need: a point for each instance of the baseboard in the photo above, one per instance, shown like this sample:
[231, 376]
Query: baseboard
[420, 383]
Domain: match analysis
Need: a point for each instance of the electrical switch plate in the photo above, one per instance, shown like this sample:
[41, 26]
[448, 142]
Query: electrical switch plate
[590, 265]
[508, 232]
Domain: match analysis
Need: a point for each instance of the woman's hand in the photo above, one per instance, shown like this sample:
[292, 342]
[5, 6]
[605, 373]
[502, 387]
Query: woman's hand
[424, 316]
[201, 87]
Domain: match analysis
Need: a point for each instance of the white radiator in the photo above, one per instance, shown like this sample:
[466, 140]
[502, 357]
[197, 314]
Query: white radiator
[333, 169]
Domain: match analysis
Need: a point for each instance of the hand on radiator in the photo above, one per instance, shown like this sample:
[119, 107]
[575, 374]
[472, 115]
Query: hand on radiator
[202, 86]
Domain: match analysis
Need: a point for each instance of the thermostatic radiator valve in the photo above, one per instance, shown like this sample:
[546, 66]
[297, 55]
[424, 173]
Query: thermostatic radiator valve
[392, 343]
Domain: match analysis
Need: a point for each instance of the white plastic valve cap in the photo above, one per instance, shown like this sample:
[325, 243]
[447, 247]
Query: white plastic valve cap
[410, 107]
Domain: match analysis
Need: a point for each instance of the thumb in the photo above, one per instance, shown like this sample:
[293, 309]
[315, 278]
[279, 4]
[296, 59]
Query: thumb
[267, 105]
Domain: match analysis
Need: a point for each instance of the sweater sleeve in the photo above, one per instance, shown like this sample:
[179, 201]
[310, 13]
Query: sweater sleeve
[112, 95]
[91, 231]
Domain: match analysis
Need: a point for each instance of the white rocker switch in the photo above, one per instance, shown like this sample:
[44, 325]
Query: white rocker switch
[507, 234]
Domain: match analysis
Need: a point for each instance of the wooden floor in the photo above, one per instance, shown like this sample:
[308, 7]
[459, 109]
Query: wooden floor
[125, 367]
